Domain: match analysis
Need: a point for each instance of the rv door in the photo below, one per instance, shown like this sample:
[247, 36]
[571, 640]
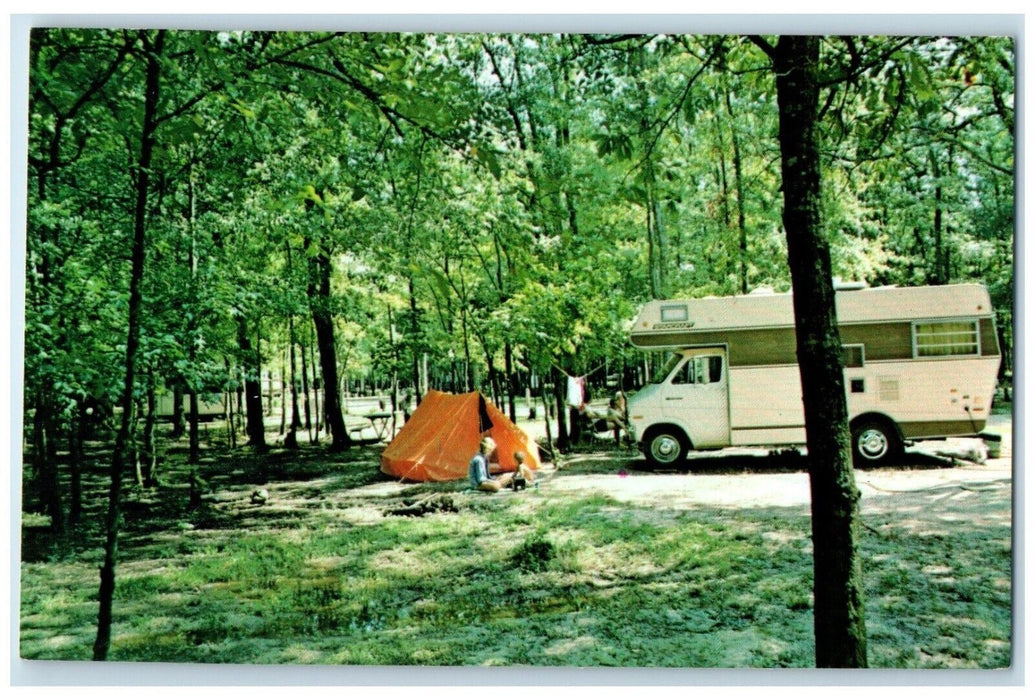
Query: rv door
[697, 396]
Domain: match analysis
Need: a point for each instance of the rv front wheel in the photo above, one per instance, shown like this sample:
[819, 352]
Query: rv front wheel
[873, 442]
[665, 448]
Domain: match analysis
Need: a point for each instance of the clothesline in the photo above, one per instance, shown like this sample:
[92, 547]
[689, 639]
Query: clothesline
[595, 369]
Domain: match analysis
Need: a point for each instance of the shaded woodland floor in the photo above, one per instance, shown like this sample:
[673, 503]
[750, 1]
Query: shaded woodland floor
[603, 564]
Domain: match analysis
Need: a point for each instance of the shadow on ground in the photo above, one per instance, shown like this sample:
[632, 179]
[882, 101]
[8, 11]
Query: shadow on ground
[726, 462]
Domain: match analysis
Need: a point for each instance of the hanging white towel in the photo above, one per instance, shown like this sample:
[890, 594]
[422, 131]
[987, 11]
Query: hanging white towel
[576, 395]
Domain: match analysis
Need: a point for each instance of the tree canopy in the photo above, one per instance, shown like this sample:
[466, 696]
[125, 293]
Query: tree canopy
[504, 193]
[469, 210]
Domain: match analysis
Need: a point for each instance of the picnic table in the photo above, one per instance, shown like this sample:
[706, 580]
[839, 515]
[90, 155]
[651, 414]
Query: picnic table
[378, 423]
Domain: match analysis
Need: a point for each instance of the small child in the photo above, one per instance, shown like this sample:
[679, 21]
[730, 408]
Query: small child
[522, 474]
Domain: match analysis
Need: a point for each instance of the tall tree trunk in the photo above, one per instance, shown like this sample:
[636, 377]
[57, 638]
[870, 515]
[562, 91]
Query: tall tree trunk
[240, 398]
[77, 437]
[661, 237]
[395, 368]
[559, 393]
[942, 262]
[723, 182]
[283, 395]
[254, 425]
[317, 386]
[194, 440]
[508, 368]
[231, 425]
[124, 438]
[267, 407]
[468, 365]
[148, 466]
[194, 429]
[840, 628]
[416, 342]
[178, 425]
[491, 375]
[45, 462]
[738, 185]
[332, 416]
[291, 439]
[940, 272]
[305, 394]
[415, 346]
[654, 262]
[319, 292]
[546, 421]
[738, 179]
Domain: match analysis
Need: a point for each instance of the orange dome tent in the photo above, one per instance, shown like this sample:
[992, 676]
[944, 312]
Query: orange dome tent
[439, 439]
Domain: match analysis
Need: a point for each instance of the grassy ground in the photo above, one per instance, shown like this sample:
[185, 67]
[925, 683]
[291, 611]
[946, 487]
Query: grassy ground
[328, 571]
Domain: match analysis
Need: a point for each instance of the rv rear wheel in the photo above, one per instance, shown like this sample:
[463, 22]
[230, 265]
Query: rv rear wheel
[874, 442]
[665, 447]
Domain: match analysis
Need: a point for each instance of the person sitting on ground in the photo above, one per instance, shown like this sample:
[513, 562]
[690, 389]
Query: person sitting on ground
[478, 468]
[478, 471]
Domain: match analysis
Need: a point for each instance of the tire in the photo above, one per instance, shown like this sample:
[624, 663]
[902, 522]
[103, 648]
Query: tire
[665, 448]
[874, 442]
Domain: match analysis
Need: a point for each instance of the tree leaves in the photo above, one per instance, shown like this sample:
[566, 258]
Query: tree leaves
[490, 189]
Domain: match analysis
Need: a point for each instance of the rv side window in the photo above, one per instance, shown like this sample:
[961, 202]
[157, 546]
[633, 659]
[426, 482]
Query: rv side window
[700, 370]
[946, 338]
[714, 363]
[661, 374]
[685, 375]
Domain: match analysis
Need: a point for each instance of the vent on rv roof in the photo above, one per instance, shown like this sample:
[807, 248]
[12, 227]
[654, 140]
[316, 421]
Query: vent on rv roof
[848, 286]
[675, 312]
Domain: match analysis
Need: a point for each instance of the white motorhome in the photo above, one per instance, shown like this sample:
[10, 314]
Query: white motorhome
[920, 362]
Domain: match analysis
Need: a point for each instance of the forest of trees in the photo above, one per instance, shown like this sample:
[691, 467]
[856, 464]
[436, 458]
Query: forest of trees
[344, 211]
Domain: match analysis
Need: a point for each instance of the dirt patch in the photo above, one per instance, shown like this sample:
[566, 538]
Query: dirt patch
[752, 478]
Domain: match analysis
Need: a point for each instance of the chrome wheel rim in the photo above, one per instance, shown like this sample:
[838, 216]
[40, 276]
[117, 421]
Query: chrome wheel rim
[665, 449]
[873, 443]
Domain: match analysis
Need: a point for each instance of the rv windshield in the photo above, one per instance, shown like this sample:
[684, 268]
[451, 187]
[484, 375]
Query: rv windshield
[666, 369]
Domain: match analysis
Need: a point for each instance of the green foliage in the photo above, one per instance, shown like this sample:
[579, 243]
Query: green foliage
[502, 195]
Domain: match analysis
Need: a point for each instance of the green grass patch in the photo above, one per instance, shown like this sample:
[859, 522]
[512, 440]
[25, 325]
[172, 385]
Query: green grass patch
[322, 576]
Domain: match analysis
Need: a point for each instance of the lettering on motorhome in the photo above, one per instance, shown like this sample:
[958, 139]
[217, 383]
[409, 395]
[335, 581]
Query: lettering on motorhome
[672, 325]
